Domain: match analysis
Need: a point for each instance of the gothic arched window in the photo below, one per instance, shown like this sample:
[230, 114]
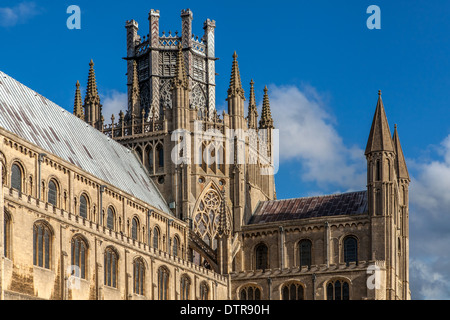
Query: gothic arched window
[150, 160]
[110, 265]
[83, 206]
[134, 228]
[185, 287]
[52, 196]
[338, 290]
[261, 257]
[160, 156]
[111, 219]
[250, 292]
[79, 256]
[304, 247]
[350, 249]
[207, 216]
[378, 170]
[175, 246]
[138, 276]
[163, 283]
[42, 244]
[16, 177]
[293, 291]
[156, 238]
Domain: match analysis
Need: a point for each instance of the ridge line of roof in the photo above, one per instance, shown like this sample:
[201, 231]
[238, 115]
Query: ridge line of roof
[312, 197]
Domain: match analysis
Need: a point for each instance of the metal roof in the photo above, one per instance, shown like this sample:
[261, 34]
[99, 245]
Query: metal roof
[302, 208]
[38, 120]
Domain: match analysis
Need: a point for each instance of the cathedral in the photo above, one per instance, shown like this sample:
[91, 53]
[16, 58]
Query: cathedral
[170, 200]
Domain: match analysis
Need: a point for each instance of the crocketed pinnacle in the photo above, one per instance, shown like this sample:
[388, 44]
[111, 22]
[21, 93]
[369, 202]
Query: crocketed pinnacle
[135, 84]
[235, 81]
[266, 121]
[400, 163]
[224, 225]
[380, 135]
[135, 92]
[78, 105]
[91, 91]
[180, 73]
[252, 109]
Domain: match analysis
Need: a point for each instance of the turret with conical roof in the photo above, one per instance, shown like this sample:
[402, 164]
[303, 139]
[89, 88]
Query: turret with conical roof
[380, 157]
[387, 191]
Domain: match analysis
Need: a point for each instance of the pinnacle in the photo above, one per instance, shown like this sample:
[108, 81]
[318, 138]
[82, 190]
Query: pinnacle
[91, 91]
[78, 106]
[266, 121]
[252, 110]
[180, 74]
[235, 81]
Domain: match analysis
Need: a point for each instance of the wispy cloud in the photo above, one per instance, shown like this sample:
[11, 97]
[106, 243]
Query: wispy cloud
[113, 102]
[308, 135]
[19, 14]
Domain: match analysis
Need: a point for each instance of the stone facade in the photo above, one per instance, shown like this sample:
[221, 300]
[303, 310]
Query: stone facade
[221, 233]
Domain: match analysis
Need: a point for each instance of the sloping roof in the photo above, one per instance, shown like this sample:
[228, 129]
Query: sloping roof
[38, 120]
[302, 208]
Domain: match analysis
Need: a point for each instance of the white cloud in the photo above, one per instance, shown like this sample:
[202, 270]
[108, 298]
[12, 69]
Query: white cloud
[113, 103]
[429, 284]
[430, 226]
[307, 135]
[11, 16]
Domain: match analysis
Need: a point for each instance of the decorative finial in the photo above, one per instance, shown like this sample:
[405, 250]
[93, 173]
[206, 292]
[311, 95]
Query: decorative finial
[379, 93]
[235, 81]
[395, 126]
[266, 120]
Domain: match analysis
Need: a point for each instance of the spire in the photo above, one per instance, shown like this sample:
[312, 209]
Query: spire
[91, 91]
[235, 81]
[180, 72]
[400, 163]
[252, 110]
[78, 105]
[380, 135]
[266, 121]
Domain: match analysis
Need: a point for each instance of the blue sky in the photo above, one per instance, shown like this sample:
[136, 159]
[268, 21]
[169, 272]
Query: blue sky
[323, 67]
